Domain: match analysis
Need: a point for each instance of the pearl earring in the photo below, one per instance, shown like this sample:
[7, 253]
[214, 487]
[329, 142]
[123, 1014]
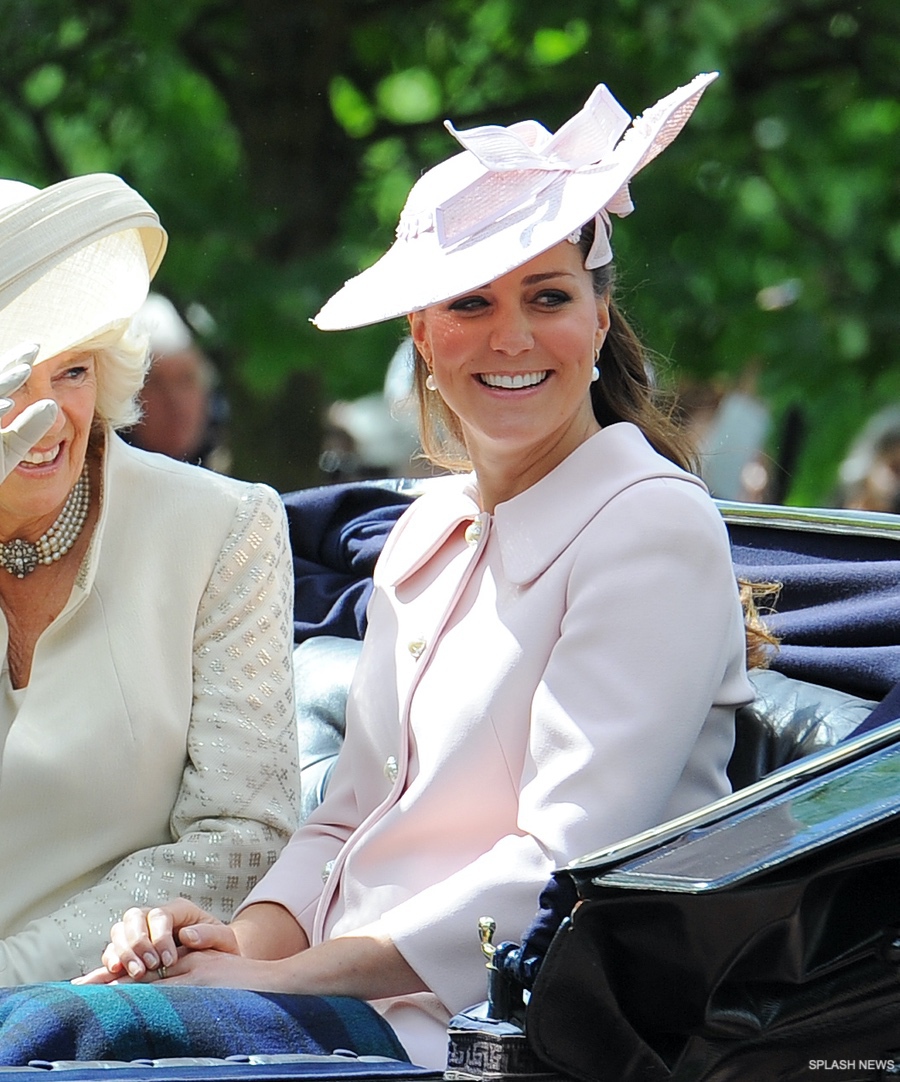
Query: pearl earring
[430, 383]
[595, 371]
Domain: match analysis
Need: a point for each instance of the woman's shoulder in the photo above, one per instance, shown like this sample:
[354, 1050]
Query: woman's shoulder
[147, 492]
[156, 471]
[631, 479]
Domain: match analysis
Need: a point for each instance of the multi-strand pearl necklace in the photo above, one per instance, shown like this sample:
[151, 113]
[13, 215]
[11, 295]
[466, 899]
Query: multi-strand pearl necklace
[20, 557]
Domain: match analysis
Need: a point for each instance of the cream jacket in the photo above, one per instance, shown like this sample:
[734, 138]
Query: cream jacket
[153, 753]
[534, 684]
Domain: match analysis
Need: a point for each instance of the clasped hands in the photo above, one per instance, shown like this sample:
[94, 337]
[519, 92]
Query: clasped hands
[162, 943]
[183, 944]
[34, 422]
[264, 949]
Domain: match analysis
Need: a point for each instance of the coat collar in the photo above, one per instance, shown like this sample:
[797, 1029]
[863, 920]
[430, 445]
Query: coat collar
[536, 526]
[533, 528]
[445, 503]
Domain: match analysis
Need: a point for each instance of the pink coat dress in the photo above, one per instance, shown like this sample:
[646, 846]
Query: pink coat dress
[534, 684]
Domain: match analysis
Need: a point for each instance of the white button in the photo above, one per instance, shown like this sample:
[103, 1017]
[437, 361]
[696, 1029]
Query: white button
[327, 870]
[474, 531]
[391, 770]
[416, 647]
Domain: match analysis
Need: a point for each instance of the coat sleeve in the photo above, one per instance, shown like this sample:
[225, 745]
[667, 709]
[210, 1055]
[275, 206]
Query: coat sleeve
[237, 802]
[650, 648]
[297, 878]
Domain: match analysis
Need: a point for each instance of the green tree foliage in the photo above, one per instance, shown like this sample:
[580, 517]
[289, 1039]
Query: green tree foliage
[278, 139]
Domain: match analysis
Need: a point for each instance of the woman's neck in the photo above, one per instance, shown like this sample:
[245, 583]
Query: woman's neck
[503, 472]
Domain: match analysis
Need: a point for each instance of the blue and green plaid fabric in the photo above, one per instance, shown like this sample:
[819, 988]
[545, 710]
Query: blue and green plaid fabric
[60, 1021]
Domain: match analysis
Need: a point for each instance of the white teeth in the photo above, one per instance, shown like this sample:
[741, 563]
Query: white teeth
[513, 383]
[38, 458]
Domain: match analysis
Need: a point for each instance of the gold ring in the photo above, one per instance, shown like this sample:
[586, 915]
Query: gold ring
[162, 973]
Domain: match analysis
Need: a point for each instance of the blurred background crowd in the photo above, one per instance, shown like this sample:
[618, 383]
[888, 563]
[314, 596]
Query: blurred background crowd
[277, 140]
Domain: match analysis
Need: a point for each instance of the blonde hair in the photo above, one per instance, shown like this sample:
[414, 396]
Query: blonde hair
[122, 360]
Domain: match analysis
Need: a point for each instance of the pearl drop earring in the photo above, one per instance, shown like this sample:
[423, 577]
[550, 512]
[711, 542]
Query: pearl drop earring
[430, 382]
[595, 371]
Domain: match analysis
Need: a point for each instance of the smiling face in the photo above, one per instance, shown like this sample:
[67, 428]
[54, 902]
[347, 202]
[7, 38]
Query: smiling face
[32, 496]
[513, 361]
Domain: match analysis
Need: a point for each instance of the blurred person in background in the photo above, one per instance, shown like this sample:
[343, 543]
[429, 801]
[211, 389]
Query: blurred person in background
[376, 436]
[183, 411]
[869, 476]
[730, 424]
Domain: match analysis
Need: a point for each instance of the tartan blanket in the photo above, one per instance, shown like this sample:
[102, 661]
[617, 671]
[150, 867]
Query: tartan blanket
[59, 1021]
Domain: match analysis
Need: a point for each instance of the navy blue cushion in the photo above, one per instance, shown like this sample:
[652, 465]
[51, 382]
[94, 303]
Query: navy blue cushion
[836, 615]
[336, 535]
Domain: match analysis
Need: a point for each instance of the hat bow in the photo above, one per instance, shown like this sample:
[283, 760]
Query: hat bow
[524, 160]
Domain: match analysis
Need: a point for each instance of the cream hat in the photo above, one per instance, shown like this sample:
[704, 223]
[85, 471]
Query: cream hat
[513, 193]
[75, 259]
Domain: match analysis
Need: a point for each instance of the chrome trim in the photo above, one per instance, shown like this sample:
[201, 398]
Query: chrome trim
[812, 519]
[820, 519]
[787, 843]
[777, 782]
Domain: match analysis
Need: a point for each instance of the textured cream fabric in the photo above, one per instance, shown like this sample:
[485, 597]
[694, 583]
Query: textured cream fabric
[154, 752]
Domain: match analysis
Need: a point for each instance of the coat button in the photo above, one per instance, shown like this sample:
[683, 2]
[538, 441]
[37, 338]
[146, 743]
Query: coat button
[474, 531]
[327, 870]
[416, 647]
[391, 770]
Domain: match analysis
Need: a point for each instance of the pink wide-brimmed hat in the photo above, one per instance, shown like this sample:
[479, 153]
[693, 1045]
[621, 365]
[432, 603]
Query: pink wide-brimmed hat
[76, 258]
[511, 194]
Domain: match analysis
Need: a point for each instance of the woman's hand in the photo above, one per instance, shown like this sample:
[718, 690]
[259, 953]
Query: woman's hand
[210, 968]
[146, 941]
[26, 429]
[264, 949]
[213, 968]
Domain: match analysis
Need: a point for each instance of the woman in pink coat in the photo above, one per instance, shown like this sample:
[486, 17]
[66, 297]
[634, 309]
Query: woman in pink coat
[556, 644]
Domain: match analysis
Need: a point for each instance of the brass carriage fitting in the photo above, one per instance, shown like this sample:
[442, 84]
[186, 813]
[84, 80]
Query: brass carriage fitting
[486, 928]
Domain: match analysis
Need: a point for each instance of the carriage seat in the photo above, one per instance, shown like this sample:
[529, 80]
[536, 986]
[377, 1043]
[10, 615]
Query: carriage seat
[323, 669]
[787, 720]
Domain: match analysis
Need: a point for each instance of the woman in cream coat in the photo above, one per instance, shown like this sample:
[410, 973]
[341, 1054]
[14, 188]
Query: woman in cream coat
[146, 722]
[555, 647]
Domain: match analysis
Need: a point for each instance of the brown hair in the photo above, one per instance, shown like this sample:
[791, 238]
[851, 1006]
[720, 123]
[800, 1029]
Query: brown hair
[626, 391]
[761, 641]
[440, 432]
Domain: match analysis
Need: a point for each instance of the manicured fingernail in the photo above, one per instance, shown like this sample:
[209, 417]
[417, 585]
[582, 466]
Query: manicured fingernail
[190, 935]
[135, 969]
[150, 960]
[168, 958]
